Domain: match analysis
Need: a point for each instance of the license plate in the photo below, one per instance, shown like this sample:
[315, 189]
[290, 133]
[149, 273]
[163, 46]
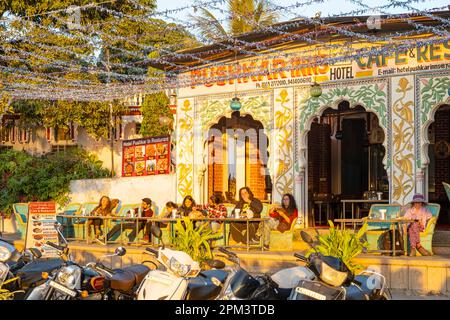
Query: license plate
[310, 293]
[62, 289]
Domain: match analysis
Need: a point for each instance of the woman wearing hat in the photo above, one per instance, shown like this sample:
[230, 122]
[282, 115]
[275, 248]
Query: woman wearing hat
[421, 215]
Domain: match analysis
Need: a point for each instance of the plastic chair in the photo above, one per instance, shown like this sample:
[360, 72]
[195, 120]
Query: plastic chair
[71, 209]
[21, 215]
[447, 189]
[426, 237]
[282, 240]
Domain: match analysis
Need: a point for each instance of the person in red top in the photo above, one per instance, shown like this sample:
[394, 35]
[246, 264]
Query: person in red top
[146, 212]
[216, 209]
[281, 218]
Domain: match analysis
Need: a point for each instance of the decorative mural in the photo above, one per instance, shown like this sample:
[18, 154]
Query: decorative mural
[403, 182]
[371, 95]
[212, 108]
[284, 143]
[431, 93]
[185, 149]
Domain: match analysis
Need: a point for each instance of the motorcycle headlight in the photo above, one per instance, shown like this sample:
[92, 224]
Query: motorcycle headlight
[4, 269]
[5, 254]
[331, 276]
[69, 276]
[181, 269]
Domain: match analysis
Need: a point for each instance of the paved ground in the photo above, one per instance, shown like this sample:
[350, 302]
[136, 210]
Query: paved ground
[403, 295]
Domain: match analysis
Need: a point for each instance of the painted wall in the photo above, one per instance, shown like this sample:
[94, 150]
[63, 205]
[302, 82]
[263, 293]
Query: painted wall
[160, 189]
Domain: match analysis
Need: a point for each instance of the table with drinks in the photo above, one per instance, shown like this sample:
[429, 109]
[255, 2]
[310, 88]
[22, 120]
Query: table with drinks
[135, 218]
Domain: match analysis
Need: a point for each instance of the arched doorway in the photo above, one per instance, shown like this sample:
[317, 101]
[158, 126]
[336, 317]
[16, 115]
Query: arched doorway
[439, 165]
[345, 160]
[237, 157]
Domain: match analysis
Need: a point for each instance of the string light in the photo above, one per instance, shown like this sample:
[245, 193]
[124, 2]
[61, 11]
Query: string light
[132, 75]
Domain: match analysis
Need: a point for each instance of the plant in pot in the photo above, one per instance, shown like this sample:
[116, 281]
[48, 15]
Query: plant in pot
[194, 240]
[343, 244]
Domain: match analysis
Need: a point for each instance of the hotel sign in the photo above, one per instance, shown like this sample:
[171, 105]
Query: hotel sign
[288, 71]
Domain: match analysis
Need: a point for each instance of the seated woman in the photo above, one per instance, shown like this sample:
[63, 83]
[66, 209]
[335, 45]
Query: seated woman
[248, 207]
[281, 218]
[167, 213]
[418, 212]
[189, 208]
[103, 209]
[214, 209]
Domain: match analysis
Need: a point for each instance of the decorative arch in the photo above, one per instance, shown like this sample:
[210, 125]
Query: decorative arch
[371, 95]
[432, 93]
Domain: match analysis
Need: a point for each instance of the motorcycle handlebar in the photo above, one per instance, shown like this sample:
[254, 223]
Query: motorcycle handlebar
[152, 251]
[299, 256]
[228, 253]
[54, 245]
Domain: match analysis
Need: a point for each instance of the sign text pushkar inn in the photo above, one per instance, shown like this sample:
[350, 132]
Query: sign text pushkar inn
[292, 71]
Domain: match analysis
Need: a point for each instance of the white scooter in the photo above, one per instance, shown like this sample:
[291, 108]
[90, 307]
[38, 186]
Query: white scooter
[179, 277]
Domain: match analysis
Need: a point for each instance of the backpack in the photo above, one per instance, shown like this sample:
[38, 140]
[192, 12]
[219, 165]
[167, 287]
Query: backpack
[385, 242]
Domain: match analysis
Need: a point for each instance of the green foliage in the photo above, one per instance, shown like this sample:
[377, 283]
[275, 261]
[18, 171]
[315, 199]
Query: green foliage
[6, 294]
[194, 239]
[343, 244]
[155, 105]
[245, 16]
[26, 178]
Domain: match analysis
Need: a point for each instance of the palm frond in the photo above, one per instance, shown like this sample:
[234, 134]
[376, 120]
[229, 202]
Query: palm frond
[209, 27]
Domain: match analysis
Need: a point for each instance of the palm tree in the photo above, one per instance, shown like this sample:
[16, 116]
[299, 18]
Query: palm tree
[244, 16]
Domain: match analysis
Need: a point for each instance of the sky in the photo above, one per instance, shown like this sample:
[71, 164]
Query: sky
[327, 8]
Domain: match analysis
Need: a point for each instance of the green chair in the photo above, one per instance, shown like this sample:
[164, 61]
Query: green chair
[426, 237]
[79, 223]
[447, 189]
[71, 209]
[282, 240]
[124, 209]
[21, 215]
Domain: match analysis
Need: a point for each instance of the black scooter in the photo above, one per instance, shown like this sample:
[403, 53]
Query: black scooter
[27, 266]
[336, 282]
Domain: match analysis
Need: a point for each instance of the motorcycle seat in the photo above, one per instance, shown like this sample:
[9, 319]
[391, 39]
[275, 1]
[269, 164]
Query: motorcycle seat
[202, 287]
[139, 271]
[122, 280]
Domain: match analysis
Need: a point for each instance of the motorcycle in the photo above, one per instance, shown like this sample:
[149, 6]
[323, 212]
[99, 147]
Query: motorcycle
[336, 282]
[25, 267]
[91, 282]
[179, 277]
[240, 285]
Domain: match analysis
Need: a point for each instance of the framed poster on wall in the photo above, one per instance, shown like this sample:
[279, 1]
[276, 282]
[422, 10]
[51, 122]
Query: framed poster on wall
[146, 156]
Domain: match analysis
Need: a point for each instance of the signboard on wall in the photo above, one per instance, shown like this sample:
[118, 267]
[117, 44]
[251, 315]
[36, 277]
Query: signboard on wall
[41, 228]
[146, 156]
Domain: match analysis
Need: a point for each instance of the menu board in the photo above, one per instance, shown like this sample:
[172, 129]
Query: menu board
[41, 228]
[145, 157]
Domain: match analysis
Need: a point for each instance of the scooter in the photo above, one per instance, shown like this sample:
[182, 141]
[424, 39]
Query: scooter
[240, 285]
[25, 267]
[336, 282]
[179, 277]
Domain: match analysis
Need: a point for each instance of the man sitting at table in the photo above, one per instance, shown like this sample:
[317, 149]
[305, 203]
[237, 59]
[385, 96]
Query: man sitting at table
[146, 211]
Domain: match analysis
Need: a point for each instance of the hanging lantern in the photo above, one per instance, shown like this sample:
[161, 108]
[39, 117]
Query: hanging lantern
[235, 104]
[316, 90]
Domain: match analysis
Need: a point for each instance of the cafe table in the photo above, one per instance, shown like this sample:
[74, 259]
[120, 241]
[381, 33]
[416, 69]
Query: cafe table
[393, 224]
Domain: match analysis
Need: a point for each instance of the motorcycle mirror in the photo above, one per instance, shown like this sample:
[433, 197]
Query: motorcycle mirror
[57, 225]
[306, 237]
[35, 252]
[156, 231]
[120, 251]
